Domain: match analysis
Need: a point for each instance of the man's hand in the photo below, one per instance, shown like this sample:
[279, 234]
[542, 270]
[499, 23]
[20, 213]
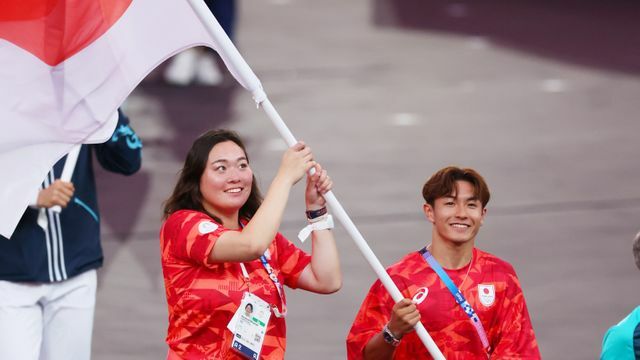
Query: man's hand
[59, 193]
[404, 316]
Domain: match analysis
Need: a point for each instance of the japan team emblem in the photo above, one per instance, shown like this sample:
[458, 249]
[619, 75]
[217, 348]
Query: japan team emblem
[486, 294]
[206, 227]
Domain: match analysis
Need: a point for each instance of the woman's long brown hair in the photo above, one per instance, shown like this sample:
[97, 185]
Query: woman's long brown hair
[187, 195]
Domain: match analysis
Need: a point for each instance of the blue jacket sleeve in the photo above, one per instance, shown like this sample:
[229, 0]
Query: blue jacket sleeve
[122, 153]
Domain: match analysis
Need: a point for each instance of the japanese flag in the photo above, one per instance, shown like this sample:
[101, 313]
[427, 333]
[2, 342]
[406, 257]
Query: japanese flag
[66, 66]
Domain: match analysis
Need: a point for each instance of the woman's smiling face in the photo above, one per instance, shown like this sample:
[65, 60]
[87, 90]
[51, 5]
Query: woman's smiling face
[226, 182]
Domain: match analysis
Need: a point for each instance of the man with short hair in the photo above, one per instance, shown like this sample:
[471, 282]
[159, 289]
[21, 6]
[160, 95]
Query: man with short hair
[490, 317]
[622, 341]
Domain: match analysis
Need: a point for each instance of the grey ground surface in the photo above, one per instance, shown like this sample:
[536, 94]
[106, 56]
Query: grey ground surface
[541, 97]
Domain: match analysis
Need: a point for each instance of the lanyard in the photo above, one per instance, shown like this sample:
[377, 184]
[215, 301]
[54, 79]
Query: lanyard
[457, 295]
[274, 279]
[276, 282]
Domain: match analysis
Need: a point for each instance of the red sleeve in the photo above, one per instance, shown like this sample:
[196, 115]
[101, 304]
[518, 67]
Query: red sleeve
[374, 313]
[517, 339]
[193, 237]
[291, 260]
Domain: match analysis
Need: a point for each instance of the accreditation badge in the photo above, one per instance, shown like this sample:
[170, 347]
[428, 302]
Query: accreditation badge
[249, 325]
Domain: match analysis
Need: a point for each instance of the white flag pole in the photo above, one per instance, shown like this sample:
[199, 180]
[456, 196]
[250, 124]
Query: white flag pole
[72, 159]
[357, 237]
[241, 70]
[67, 170]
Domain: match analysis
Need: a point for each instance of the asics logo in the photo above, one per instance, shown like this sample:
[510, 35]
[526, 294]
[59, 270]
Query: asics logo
[419, 297]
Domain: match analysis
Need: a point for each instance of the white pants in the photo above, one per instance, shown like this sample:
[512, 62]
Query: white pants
[47, 321]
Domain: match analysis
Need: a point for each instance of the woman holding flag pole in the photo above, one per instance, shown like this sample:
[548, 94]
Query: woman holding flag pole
[221, 251]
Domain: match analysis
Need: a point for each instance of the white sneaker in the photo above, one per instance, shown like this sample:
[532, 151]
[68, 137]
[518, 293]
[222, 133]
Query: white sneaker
[182, 68]
[207, 71]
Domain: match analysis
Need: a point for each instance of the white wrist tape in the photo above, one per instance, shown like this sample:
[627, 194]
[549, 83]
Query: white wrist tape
[324, 224]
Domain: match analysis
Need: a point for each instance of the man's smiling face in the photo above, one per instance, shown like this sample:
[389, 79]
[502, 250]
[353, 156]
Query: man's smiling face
[456, 218]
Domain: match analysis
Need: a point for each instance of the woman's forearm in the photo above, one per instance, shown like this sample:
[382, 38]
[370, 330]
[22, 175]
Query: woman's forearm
[325, 264]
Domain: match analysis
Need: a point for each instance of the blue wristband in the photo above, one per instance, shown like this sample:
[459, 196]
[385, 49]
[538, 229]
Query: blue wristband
[312, 214]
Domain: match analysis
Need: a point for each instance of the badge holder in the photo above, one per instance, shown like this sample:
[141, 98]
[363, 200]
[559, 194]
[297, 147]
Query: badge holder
[249, 325]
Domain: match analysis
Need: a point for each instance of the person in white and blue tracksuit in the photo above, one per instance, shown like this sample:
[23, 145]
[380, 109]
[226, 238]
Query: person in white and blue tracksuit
[48, 267]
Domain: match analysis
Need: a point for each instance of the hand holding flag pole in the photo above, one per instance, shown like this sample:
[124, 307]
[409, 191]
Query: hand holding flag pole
[67, 171]
[241, 70]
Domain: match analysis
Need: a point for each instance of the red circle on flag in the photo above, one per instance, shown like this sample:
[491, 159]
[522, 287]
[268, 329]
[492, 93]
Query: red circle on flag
[55, 30]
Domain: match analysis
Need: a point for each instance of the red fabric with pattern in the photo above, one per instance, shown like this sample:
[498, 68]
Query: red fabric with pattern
[202, 296]
[506, 320]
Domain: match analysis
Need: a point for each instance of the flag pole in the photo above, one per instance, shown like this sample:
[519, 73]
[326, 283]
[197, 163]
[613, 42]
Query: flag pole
[68, 169]
[241, 70]
[357, 237]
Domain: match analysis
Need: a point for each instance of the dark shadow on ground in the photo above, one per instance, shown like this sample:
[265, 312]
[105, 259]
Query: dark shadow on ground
[121, 199]
[594, 33]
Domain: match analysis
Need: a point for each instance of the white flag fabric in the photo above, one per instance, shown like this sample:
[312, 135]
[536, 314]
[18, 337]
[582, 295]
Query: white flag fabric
[65, 68]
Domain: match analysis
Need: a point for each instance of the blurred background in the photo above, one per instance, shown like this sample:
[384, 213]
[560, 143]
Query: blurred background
[540, 96]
